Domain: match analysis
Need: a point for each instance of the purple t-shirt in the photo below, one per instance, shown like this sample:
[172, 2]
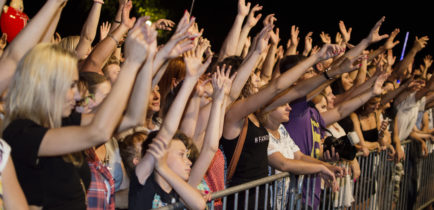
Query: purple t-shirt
[304, 126]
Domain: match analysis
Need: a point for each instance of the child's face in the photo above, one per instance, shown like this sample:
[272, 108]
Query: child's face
[177, 159]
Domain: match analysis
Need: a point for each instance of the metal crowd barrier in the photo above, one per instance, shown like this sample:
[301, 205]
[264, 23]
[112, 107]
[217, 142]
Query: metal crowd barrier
[414, 189]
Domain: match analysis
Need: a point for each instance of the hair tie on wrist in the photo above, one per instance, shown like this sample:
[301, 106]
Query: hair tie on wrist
[111, 36]
[117, 21]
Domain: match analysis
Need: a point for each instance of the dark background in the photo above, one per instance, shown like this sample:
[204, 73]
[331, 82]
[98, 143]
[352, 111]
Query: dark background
[217, 18]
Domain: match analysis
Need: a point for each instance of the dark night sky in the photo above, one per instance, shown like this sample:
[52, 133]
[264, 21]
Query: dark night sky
[217, 18]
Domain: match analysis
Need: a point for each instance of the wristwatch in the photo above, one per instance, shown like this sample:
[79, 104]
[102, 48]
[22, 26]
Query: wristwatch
[326, 75]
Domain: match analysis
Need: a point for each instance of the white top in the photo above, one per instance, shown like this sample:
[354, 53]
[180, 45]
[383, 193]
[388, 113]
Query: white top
[407, 115]
[5, 151]
[285, 145]
[336, 130]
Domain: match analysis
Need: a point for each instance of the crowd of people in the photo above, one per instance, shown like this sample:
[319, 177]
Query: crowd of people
[133, 123]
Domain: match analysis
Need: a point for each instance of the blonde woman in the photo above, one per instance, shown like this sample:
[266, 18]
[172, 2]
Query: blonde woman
[46, 148]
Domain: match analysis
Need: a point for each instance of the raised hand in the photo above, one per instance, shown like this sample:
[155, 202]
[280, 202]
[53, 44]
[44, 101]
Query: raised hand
[329, 51]
[184, 25]
[203, 45]
[251, 19]
[315, 50]
[307, 43]
[126, 20]
[158, 150]
[427, 61]
[389, 43]
[218, 86]
[374, 35]
[224, 74]
[421, 43]
[346, 64]
[193, 63]
[378, 86]
[274, 37]
[325, 38]
[262, 43]
[136, 46]
[104, 30]
[338, 38]
[164, 24]
[294, 35]
[243, 8]
[346, 34]
[280, 52]
[269, 19]
[390, 58]
[180, 42]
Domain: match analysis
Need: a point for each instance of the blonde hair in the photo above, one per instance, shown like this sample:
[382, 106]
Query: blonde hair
[39, 86]
[70, 43]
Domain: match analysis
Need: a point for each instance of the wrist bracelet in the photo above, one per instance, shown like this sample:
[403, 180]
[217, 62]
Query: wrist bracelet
[117, 21]
[326, 74]
[111, 36]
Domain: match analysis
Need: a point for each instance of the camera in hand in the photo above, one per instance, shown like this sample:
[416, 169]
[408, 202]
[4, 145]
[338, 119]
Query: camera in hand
[343, 146]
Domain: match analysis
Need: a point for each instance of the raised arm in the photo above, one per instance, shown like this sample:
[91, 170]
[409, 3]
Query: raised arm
[304, 87]
[195, 68]
[94, 62]
[357, 90]
[307, 44]
[25, 40]
[292, 48]
[2, 2]
[349, 106]
[244, 107]
[65, 140]
[212, 134]
[138, 103]
[48, 36]
[270, 60]
[88, 32]
[180, 42]
[117, 19]
[372, 37]
[249, 63]
[250, 23]
[402, 66]
[394, 93]
[229, 46]
[387, 46]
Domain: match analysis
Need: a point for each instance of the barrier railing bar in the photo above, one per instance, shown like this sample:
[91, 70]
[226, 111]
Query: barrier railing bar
[313, 191]
[256, 197]
[246, 199]
[266, 196]
[236, 201]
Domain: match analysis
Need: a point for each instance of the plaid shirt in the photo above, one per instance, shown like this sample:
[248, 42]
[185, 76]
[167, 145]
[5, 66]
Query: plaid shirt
[97, 193]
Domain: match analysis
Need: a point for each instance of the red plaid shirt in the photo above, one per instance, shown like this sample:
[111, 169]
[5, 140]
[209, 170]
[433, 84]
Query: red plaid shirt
[97, 194]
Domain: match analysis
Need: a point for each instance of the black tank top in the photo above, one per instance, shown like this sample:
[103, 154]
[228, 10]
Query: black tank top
[253, 162]
[372, 134]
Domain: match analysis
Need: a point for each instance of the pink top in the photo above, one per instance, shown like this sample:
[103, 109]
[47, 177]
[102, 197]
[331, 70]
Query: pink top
[215, 176]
